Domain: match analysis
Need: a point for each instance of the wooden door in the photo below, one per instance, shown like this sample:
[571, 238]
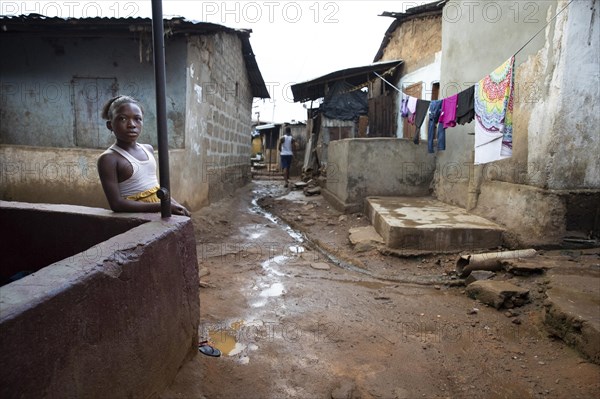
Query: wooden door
[408, 130]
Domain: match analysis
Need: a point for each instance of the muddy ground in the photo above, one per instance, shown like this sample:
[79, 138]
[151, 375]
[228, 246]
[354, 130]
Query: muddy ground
[298, 313]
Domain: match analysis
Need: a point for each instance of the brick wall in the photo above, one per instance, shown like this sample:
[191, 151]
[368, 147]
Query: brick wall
[219, 116]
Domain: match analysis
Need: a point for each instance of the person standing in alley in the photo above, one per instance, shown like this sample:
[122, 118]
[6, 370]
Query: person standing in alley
[286, 150]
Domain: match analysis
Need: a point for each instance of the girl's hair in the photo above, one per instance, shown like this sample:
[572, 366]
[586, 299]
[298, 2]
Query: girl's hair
[111, 105]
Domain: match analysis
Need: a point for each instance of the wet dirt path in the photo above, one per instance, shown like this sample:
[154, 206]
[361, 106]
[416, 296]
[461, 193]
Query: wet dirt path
[292, 324]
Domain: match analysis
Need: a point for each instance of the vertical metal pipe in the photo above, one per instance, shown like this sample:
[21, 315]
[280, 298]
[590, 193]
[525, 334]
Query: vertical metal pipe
[161, 108]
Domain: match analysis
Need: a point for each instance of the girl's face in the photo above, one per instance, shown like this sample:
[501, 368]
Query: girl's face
[127, 122]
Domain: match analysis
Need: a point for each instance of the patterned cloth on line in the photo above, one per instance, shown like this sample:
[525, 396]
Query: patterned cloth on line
[493, 100]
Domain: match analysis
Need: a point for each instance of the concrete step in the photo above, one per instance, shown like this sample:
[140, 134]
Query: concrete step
[572, 311]
[426, 224]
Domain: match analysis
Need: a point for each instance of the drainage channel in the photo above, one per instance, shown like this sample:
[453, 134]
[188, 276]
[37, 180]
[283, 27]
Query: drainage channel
[303, 239]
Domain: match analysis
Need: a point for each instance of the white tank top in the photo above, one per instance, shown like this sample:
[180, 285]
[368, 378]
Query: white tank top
[144, 172]
[286, 147]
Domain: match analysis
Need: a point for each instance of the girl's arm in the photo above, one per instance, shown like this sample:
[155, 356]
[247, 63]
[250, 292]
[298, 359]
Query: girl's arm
[107, 169]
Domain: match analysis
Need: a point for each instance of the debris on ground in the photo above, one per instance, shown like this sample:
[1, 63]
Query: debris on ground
[478, 275]
[498, 294]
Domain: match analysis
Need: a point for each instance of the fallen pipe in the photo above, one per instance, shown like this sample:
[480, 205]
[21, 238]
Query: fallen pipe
[491, 261]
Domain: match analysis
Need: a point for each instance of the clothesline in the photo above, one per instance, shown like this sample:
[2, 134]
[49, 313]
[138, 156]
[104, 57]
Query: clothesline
[489, 102]
[517, 52]
[544, 27]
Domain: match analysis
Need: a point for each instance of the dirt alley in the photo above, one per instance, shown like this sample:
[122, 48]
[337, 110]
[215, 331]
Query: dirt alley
[294, 322]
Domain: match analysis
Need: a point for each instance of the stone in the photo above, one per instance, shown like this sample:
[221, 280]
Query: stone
[478, 275]
[203, 272]
[364, 238]
[308, 207]
[320, 266]
[312, 191]
[499, 294]
[524, 267]
[344, 391]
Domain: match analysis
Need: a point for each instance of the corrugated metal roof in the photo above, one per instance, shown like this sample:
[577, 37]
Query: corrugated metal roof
[267, 126]
[315, 88]
[36, 24]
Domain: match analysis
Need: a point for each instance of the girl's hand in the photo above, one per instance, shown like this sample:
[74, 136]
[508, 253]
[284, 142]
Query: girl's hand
[178, 209]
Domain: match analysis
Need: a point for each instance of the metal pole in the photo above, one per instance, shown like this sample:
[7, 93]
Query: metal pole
[161, 108]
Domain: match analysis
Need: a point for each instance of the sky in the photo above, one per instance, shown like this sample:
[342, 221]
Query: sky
[293, 41]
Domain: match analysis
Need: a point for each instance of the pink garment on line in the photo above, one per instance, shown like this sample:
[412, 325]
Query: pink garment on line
[412, 109]
[448, 117]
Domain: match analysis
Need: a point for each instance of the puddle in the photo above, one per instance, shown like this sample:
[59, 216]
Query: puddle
[301, 239]
[296, 249]
[268, 265]
[297, 236]
[227, 339]
[225, 342]
[274, 290]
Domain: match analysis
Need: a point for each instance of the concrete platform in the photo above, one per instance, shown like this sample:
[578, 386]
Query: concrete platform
[426, 224]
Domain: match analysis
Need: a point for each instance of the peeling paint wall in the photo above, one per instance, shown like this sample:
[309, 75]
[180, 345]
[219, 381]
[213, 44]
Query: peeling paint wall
[555, 139]
[209, 102]
[53, 89]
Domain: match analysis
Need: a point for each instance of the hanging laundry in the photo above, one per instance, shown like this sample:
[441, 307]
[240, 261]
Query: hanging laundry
[420, 113]
[493, 100]
[448, 117]
[404, 106]
[435, 110]
[412, 109]
[465, 108]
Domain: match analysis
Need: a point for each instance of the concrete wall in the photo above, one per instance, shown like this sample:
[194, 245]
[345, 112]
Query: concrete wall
[555, 140]
[53, 89]
[50, 175]
[218, 121]
[332, 130]
[116, 320]
[209, 103]
[359, 168]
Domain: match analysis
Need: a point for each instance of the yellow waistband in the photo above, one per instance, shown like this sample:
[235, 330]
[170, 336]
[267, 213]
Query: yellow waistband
[145, 196]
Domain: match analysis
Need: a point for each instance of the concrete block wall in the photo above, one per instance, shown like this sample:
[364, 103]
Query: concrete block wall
[218, 122]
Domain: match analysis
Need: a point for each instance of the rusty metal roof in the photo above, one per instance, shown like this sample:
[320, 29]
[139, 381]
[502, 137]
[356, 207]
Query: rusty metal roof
[40, 25]
[315, 88]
